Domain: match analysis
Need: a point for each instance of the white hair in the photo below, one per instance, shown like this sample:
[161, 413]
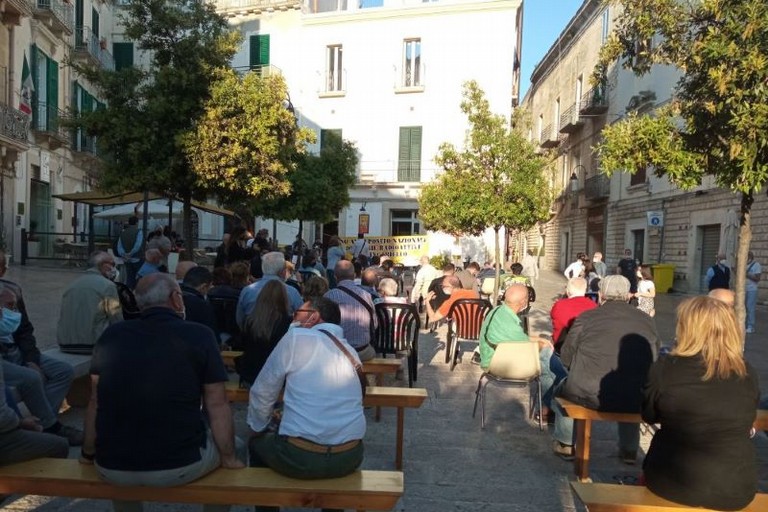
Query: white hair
[614, 288]
[154, 290]
[388, 287]
[273, 263]
[576, 287]
[97, 258]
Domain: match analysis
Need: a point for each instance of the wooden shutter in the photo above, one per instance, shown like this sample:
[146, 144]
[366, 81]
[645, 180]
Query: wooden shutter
[409, 154]
[52, 96]
[123, 53]
[76, 108]
[259, 55]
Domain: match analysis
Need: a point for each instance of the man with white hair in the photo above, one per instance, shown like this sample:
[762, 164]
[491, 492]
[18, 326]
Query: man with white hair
[565, 311]
[424, 277]
[153, 260]
[89, 305]
[273, 266]
[608, 352]
[144, 424]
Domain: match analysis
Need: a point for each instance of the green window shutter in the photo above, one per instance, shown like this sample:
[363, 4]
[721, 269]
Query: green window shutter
[326, 136]
[76, 108]
[33, 59]
[409, 154]
[95, 22]
[123, 53]
[52, 96]
[79, 21]
[259, 55]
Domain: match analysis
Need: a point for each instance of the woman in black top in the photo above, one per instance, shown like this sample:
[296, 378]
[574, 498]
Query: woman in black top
[266, 325]
[705, 397]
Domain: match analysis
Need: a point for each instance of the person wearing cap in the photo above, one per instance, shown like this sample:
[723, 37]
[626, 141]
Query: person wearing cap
[607, 352]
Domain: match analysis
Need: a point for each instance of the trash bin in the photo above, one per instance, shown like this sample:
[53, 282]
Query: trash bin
[663, 277]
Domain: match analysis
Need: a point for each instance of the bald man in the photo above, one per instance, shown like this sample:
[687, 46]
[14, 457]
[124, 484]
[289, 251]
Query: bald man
[723, 295]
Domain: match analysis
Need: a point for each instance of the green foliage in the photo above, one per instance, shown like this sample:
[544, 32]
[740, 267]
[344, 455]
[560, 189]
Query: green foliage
[718, 124]
[148, 112]
[497, 180]
[440, 261]
[319, 183]
[246, 142]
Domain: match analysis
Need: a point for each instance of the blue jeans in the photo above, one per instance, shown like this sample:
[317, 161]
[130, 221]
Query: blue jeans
[751, 303]
[552, 372]
[629, 433]
[55, 381]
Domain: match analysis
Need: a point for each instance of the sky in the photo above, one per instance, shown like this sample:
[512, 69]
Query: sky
[543, 20]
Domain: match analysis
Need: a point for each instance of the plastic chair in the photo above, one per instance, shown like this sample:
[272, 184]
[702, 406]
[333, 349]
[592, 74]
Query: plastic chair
[398, 331]
[127, 302]
[464, 321]
[512, 364]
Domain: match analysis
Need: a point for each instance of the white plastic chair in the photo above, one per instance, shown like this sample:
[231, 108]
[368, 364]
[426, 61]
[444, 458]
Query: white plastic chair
[513, 364]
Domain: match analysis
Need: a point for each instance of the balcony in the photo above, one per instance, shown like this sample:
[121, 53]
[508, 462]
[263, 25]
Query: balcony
[549, 138]
[571, 121]
[597, 187]
[47, 123]
[89, 48]
[14, 128]
[232, 8]
[262, 70]
[594, 102]
[57, 15]
[14, 10]
[409, 170]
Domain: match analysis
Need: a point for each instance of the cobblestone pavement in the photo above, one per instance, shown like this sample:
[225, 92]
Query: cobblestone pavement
[450, 463]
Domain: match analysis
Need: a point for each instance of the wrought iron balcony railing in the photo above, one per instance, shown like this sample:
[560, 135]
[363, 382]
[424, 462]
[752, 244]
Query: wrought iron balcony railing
[594, 101]
[409, 170]
[597, 187]
[14, 123]
[61, 14]
[48, 119]
[89, 45]
[571, 121]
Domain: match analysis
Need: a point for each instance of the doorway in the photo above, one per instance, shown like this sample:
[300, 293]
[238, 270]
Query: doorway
[710, 244]
[638, 245]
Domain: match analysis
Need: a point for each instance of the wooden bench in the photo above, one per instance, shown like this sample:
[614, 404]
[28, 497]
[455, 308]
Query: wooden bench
[362, 490]
[582, 418]
[635, 498]
[228, 356]
[375, 396]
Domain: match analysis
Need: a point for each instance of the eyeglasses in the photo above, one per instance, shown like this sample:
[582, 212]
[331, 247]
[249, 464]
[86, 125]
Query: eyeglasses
[305, 311]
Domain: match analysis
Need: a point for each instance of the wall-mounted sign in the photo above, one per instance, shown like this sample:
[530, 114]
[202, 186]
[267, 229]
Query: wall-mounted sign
[655, 219]
[363, 223]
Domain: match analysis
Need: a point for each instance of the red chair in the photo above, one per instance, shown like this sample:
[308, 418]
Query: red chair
[464, 321]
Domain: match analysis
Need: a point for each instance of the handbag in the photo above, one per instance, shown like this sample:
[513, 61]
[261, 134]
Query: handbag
[355, 364]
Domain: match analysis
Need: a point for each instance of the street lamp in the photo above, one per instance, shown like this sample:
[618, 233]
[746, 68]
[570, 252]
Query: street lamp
[574, 181]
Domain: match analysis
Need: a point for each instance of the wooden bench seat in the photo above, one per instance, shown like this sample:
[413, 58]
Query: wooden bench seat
[228, 356]
[635, 498]
[362, 490]
[375, 396]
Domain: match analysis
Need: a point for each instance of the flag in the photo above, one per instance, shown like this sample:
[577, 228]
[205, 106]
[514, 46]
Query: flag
[27, 87]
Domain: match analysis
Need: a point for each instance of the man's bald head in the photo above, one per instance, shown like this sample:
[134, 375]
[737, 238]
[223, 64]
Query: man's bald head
[369, 277]
[516, 297]
[344, 270]
[723, 295]
[576, 287]
[153, 256]
[452, 281]
[182, 268]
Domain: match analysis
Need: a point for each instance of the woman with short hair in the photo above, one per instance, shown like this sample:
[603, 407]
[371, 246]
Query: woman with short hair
[704, 395]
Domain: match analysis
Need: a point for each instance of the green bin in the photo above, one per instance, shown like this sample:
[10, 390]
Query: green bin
[663, 277]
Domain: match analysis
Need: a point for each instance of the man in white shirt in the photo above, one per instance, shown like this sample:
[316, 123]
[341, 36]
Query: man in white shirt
[361, 248]
[424, 278]
[322, 426]
[576, 268]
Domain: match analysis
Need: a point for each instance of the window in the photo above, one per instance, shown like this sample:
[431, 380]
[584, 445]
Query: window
[123, 53]
[639, 177]
[329, 136]
[259, 56]
[334, 68]
[412, 63]
[95, 22]
[409, 154]
[45, 78]
[405, 222]
[540, 126]
[556, 118]
[643, 49]
[371, 3]
[579, 91]
[83, 101]
[606, 26]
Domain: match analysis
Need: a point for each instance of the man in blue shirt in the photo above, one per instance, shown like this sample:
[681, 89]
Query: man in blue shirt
[273, 266]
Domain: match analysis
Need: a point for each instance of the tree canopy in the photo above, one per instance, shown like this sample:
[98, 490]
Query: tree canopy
[717, 123]
[148, 111]
[246, 144]
[497, 180]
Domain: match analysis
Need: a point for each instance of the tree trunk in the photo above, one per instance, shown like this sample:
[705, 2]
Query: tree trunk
[745, 239]
[187, 229]
[497, 260]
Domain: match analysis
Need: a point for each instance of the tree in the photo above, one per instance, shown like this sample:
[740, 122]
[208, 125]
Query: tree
[319, 184]
[246, 144]
[148, 111]
[497, 180]
[717, 123]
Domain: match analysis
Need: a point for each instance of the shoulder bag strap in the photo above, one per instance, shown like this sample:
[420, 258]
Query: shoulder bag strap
[355, 364]
[367, 307]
